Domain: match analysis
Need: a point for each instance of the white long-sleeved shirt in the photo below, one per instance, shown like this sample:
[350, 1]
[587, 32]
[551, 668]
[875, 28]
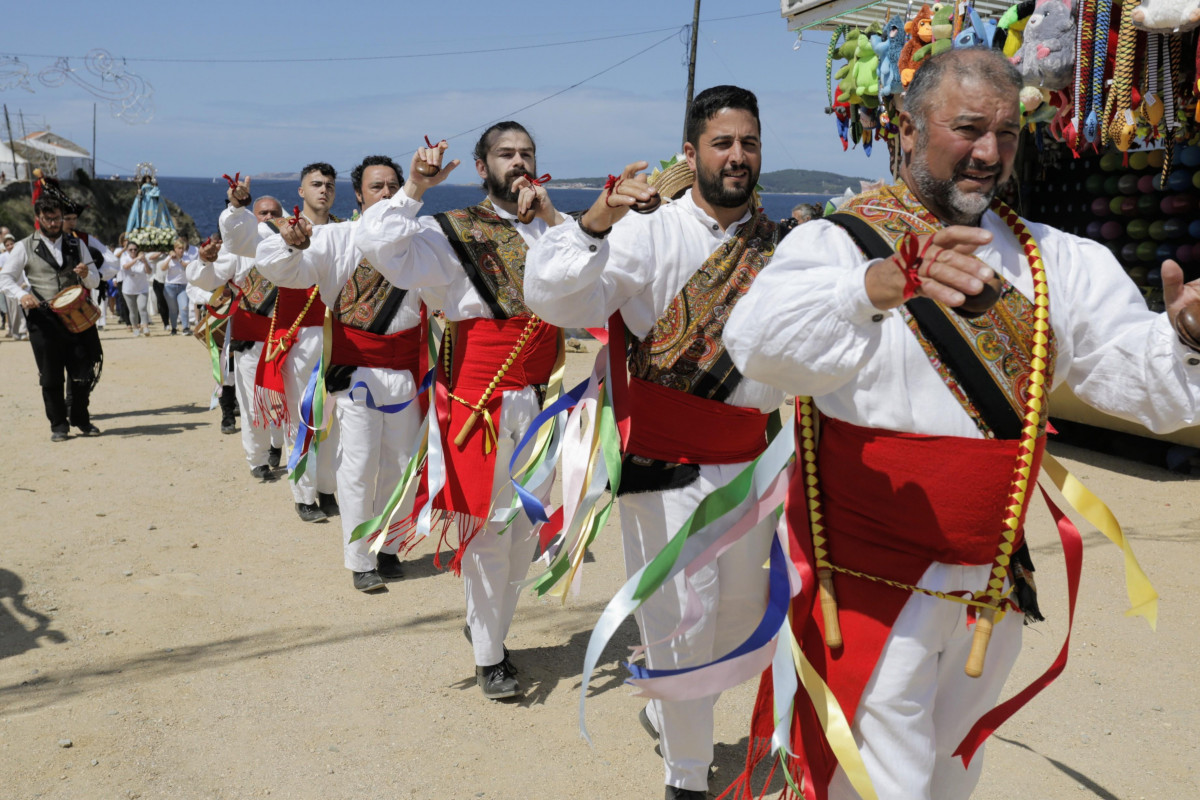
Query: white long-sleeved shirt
[413, 252]
[328, 263]
[807, 326]
[573, 279]
[13, 270]
[135, 275]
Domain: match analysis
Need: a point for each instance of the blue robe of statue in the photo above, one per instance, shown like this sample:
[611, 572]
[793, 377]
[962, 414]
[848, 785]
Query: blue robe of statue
[149, 210]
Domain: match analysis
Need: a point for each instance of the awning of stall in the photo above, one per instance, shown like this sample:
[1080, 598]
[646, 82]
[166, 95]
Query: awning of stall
[826, 15]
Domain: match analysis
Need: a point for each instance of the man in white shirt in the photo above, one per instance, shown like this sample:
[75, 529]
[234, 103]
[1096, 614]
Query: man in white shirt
[375, 357]
[922, 478]
[52, 262]
[695, 423]
[470, 263]
[288, 360]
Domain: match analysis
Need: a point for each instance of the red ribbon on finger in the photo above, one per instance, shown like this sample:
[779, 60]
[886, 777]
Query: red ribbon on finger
[233, 182]
[610, 186]
[538, 181]
[912, 262]
[295, 218]
[428, 143]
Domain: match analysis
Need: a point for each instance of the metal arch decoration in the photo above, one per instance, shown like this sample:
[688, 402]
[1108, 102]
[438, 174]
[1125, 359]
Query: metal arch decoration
[14, 75]
[129, 96]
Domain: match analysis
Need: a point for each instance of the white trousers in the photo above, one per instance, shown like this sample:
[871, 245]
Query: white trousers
[733, 594]
[255, 441]
[321, 473]
[494, 564]
[375, 451]
[919, 703]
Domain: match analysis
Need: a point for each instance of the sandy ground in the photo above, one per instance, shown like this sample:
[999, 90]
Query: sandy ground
[174, 621]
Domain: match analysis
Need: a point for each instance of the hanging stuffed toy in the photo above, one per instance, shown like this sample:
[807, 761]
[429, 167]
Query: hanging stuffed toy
[942, 29]
[1013, 22]
[887, 50]
[858, 80]
[1047, 54]
[1167, 16]
[920, 33]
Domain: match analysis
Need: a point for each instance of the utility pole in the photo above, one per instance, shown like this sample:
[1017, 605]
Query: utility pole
[12, 147]
[93, 141]
[691, 87]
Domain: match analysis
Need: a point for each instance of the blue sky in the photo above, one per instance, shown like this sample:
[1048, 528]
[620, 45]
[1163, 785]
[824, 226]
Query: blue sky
[225, 116]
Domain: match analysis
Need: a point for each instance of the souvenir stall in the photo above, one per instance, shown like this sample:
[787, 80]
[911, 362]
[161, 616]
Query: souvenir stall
[1111, 106]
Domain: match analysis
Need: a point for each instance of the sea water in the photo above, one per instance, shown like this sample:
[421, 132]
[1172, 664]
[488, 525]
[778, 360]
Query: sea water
[203, 199]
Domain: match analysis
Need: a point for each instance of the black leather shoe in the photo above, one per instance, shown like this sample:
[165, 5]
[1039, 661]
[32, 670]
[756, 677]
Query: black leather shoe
[89, 430]
[228, 425]
[310, 512]
[507, 655]
[273, 456]
[497, 681]
[368, 581]
[59, 436]
[328, 504]
[388, 566]
[647, 725]
[676, 793]
[263, 473]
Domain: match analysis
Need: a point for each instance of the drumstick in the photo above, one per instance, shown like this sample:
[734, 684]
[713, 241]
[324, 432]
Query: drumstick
[979, 644]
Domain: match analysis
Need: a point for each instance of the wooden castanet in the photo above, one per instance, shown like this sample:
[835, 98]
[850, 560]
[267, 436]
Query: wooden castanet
[979, 644]
[829, 609]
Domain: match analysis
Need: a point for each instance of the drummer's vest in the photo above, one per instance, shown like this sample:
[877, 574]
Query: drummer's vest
[44, 274]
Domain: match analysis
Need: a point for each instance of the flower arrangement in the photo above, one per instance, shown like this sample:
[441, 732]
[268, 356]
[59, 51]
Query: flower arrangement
[153, 240]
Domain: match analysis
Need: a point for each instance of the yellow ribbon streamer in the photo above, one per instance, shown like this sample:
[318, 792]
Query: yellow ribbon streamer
[1143, 600]
[833, 722]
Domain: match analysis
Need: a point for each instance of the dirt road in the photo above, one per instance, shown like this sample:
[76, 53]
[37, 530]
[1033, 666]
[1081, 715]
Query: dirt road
[176, 624]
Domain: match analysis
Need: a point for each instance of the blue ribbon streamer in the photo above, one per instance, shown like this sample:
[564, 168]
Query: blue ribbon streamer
[773, 619]
[369, 400]
[534, 510]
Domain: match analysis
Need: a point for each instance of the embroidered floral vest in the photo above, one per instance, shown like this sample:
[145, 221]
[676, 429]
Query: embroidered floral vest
[686, 350]
[1002, 338]
[492, 253]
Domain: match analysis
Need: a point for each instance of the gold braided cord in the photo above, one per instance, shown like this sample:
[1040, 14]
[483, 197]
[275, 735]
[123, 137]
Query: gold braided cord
[1120, 97]
[499, 376]
[273, 350]
[995, 595]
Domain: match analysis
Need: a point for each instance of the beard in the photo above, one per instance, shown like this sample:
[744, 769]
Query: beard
[956, 206]
[501, 187]
[712, 187]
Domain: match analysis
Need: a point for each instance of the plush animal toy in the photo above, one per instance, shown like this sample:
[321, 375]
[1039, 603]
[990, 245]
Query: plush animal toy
[1047, 54]
[920, 33]
[858, 80]
[1012, 22]
[887, 50]
[1167, 16]
[942, 28]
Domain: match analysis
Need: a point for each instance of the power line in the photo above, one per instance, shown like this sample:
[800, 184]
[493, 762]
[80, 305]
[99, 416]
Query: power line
[396, 57]
[513, 113]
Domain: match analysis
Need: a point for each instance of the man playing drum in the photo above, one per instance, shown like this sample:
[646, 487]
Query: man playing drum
[52, 263]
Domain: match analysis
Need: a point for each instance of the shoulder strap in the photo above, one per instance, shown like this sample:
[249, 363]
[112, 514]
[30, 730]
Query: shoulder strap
[945, 337]
[470, 267]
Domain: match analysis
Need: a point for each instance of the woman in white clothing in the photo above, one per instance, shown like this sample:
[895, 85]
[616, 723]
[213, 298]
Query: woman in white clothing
[135, 286]
[171, 269]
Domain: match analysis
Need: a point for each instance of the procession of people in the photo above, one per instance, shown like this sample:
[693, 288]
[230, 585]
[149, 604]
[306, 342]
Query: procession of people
[397, 366]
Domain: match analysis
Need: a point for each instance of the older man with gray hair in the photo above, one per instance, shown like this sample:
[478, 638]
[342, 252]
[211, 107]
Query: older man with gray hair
[927, 322]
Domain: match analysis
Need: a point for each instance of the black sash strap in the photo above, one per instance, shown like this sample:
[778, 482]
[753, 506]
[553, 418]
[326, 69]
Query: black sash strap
[951, 347]
[471, 268]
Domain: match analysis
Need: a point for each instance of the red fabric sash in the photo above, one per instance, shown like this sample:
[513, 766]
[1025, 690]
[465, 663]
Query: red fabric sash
[358, 348]
[681, 428]
[481, 346]
[894, 503]
[248, 326]
[270, 396]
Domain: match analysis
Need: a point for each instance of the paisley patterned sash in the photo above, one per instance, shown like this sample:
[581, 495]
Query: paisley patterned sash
[492, 253]
[368, 300]
[686, 350]
[258, 293]
[1002, 338]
